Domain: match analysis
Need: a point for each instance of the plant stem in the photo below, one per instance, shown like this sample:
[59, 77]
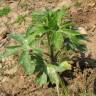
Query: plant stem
[51, 49]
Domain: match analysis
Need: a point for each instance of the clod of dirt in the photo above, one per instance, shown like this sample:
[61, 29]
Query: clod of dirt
[13, 86]
[67, 3]
[11, 71]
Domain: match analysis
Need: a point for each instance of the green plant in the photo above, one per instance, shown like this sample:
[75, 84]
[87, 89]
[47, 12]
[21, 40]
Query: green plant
[4, 11]
[50, 30]
[20, 18]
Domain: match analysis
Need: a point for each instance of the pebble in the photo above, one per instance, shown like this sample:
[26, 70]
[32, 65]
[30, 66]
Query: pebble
[82, 30]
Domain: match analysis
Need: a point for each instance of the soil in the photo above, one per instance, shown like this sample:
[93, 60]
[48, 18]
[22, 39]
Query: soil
[14, 82]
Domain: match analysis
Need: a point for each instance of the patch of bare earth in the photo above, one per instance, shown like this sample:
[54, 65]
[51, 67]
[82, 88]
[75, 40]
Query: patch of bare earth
[85, 79]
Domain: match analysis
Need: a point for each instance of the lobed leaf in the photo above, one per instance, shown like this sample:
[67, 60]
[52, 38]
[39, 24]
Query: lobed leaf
[25, 61]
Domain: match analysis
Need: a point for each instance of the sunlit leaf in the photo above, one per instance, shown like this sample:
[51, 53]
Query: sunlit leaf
[53, 76]
[25, 61]
[42, 79]
[58, 40]
[65, 65]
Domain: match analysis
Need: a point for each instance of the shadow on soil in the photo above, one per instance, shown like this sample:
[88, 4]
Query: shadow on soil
[82, 64]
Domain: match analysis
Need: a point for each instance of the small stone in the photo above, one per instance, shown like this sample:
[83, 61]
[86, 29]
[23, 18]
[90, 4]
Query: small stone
[1, 78]
[5, 79]
[82, 30]
[0, 65]
[92, 4]
[2, 94]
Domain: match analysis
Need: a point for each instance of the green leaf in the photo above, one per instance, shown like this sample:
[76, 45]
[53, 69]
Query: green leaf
[39, 16]
[9, 51]
[67, 25]
[52, 20]
[25, 61]
[40, 65]
[4, 11]
[37, 51]
[60, 14]
[33, 43]
[61, 67]
[17, 37]
[42, 79]
[70, 32]
[53, 76]
[65, 66]
[14, 47]
[20, 18]
[39, 29]
[29, 30]
[57, 39]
